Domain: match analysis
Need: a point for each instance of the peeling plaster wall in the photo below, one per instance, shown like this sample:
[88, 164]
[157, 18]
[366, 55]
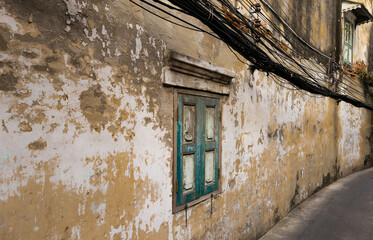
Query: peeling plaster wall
[362, 37]
[361, 48]
[86, 130]
[314, 21]
[355, 139]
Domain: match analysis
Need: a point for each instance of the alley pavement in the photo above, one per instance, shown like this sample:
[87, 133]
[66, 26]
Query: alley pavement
[343, 211]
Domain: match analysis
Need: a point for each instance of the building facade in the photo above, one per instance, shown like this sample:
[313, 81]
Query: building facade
[116, 124]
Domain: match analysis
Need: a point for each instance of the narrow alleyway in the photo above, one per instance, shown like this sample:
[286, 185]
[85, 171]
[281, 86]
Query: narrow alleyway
[343, 210]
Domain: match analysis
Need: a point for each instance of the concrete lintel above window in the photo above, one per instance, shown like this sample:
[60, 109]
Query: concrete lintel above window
[187, 72]
[359, 10]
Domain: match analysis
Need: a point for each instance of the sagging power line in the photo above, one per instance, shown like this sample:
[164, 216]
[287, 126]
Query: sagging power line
[251, 34]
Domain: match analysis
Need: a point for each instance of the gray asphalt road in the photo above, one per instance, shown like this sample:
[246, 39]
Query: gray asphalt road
[343, 210]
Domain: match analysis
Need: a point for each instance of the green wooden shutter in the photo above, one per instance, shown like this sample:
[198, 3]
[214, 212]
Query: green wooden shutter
[210, 145]
[197, 147]
[348, 42]
[187, 150]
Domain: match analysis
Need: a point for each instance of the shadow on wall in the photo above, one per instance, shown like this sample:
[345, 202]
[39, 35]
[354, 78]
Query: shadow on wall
[368, 161]
[310, 27]
[370, 49]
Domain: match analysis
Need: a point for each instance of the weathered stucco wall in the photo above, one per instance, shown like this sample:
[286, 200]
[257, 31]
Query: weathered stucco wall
[362, 36]
[314, 21]
[87, 133]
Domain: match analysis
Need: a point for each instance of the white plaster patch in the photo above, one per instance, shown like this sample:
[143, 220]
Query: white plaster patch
[27, 61]
[4, 57]
[149, 164]
[349, 144]
[117, 52]
[81, 209]
[136, 54]
[115, 231]
[99, 209]
[154, 214]
[95, 7]
[104, 31]
[13, 25]
[77, 175]
[125, 231]
[152, 42]
[72, 169]
[16, 147]
[93, 35]
[73, 7]
[69, 151]
[75, 233]
[104, 73]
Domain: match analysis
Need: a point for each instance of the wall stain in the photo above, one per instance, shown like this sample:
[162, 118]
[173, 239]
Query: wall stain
[5, 129]
[295, 199]
[94, 105]
[37, 145]
[25, 127]
[43, 68]
[8, 82]
[29, 54]
[3, 43]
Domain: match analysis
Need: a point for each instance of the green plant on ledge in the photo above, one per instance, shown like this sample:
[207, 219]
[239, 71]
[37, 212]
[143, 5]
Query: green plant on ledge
[367, 78]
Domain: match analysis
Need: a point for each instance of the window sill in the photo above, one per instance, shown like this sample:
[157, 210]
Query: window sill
[182, 207]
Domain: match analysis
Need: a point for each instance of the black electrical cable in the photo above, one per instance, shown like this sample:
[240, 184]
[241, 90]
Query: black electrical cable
[154, 6]
[177, 24]
[238, 33]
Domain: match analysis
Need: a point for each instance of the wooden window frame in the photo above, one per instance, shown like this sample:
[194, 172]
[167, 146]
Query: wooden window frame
[176, 208]
[349, 45]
